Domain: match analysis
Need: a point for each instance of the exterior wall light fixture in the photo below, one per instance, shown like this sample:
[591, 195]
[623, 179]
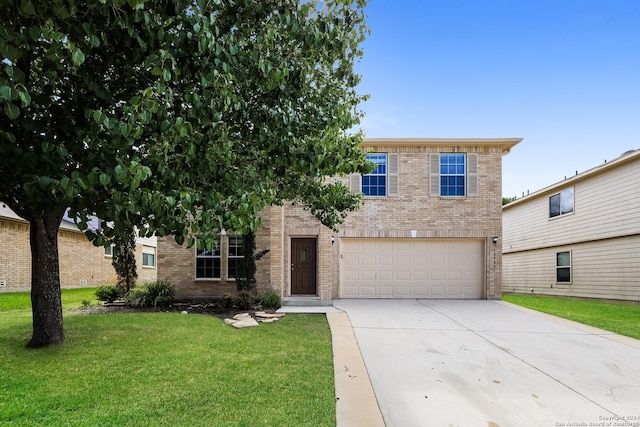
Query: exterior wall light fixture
[495, 240]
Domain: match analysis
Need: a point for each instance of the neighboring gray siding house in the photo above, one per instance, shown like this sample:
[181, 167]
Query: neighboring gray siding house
[579, 237]
[431, 211]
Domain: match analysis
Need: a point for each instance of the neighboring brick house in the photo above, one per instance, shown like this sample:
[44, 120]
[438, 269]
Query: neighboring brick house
[579, 237]
[81, 263]
[427, 229]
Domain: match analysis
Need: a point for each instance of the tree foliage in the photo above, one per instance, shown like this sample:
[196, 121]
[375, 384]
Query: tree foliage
[507, 200]
[246, 278]
[179, 117]
[124, 261]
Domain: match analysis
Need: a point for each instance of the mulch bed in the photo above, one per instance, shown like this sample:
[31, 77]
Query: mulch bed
[208, 307]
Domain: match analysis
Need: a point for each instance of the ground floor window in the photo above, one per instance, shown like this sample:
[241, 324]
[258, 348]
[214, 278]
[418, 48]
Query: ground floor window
[235, 253]
[148, 256]
[208, 265]
[563, 267]
[221, 260]
[108, 251]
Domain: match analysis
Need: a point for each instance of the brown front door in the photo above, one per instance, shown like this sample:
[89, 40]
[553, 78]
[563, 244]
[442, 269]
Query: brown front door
[303, 266]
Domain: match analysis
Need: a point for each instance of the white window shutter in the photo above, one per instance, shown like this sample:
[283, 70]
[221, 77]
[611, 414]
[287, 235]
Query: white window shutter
[434, 175]
[392, 175]
[355, 183]
[472, 174]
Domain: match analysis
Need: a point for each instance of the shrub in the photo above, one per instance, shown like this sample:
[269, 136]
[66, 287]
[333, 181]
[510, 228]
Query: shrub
[245, 300]
[271, 300]
[108, 293]
[137, 297]
[228, 301]
[154, 294]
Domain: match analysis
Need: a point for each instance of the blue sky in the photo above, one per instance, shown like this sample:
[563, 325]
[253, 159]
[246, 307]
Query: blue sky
[564, 75]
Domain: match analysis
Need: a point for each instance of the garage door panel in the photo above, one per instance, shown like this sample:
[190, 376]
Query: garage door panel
[437, 275]
[403, 275]
[420, 276]
[403, 292]
[351, 292]
[469, 276]
[420, 260]
[454, 291]
[437, 260]
[368, 259]
[437, 291]
[411, 268]
[385, 260]
[367, 291]
[351, 276]
[454, 276]
[385, 291]
[420, 292]
[368, 275]
[401, 260]
[385, 275]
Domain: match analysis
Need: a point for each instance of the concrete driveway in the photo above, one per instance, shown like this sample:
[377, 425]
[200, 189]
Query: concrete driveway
[490, 363]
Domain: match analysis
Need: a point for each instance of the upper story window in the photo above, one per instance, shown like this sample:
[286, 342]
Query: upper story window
[453, 175]
[208, 265]
[375, 184]
[383, 181]
[563, 267]
[561, 203]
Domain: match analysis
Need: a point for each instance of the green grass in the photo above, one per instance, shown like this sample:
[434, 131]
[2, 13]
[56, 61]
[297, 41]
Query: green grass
[165, 369]
[622, 318]
[71, 298]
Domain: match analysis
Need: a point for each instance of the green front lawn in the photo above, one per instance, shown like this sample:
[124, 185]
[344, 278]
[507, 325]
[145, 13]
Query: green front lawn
[164, 369]
[622, 318]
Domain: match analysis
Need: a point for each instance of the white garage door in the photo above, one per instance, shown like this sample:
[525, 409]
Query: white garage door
[412, 268]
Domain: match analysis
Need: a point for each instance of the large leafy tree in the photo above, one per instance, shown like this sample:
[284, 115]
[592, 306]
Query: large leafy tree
[178, 117]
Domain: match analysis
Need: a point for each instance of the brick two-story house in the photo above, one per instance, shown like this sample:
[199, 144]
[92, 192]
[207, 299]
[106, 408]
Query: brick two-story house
[428, 228]
[81, 263]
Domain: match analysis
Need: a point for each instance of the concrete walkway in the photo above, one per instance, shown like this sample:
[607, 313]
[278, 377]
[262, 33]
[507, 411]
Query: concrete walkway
[489, 363]
[356, 404]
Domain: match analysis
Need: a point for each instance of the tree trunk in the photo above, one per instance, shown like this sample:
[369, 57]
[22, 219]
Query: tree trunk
[46, 300]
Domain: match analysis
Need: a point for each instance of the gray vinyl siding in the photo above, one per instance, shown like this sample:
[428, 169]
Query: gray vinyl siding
[602, 232]
[607, 269]
[605, 206]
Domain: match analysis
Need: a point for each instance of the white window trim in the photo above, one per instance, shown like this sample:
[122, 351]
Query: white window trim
[229, 256]
[149, 250]
[470, 175]
[392, 185]
[570, 267]
[110, 254]
[195, 265]
[559, 194]
[223, 241]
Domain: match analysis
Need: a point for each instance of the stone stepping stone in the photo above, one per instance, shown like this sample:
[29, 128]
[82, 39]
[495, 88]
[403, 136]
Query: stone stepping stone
[264, 315]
